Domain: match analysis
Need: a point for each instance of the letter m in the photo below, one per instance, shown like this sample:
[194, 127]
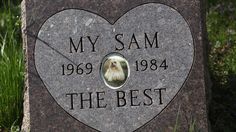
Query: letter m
[155, 40]
[74, 47]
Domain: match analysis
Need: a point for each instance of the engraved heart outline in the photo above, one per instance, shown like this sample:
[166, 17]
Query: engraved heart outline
[112, 23]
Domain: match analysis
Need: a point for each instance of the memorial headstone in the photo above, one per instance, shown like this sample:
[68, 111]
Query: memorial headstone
[112, 65]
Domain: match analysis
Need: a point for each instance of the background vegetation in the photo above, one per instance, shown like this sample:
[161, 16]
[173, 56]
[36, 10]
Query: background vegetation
[11, 67]
[221, 27]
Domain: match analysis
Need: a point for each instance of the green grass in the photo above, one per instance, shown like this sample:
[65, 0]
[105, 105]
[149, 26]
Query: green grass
[191, 125]
[11, 67]
[221, 26]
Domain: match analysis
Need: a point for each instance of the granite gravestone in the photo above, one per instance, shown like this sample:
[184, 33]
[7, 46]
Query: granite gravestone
[114, 65]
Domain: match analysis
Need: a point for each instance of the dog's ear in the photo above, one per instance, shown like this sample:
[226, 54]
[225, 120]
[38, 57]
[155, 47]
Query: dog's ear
[119, 65]
[106, 64]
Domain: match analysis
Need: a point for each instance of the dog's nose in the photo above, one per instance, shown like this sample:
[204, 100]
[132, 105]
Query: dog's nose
[113, 64]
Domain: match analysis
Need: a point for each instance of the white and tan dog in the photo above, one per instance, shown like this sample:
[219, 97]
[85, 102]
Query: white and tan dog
[114, 70]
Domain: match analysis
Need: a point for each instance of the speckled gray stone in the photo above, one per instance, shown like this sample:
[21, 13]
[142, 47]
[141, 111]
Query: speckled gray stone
[180, 39]
[175, 45]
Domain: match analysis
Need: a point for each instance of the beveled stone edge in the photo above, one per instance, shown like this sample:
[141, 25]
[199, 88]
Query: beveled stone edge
[25, 127]
[206, 49]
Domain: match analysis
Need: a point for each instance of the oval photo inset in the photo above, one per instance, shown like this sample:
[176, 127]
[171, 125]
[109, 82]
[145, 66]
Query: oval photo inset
[114, 70]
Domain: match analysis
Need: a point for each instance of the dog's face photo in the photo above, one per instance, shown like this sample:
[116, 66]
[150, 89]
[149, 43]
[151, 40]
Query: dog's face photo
[115, 71]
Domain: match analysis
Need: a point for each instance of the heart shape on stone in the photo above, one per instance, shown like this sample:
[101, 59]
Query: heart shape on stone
[155, 40]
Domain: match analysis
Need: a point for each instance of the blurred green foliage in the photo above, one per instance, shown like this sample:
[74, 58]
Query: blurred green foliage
[11, 67]
[221, 24]
[221, 27]
[9, 3]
